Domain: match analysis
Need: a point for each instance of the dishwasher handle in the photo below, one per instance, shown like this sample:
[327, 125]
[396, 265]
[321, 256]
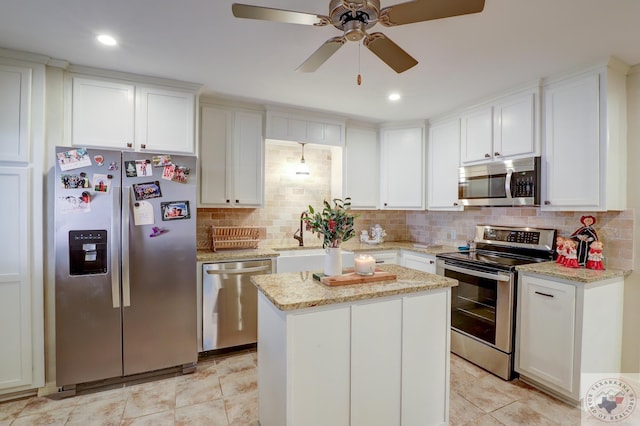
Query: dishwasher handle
[238, 271]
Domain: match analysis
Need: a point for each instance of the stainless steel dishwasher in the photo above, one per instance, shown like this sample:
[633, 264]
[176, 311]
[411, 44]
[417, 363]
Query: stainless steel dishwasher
[230, 303]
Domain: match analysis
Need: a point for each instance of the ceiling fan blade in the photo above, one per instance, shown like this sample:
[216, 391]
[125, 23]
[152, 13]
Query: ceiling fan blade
[390, 53]
[278, 15]
[426, 10]
[323, 53]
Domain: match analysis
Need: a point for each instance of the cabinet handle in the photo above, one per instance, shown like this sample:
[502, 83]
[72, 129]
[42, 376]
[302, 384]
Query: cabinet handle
[237, 201]
[129, 145]
[455, 204]
[487, 156]
[547, 203]
[545, 294]
[228, 201]
[497, 154]
[385, 204]
[431, 262]
[143, 146]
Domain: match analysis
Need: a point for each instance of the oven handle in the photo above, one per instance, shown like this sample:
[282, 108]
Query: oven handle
[475, 273]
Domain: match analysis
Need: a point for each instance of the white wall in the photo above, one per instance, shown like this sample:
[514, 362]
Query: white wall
[631, 341]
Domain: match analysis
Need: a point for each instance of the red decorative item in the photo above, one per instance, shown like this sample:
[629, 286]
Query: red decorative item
[595, 256]
[571, 257]
[560, 250]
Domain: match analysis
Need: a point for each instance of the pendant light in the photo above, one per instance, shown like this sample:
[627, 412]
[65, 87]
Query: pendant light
[303, 168]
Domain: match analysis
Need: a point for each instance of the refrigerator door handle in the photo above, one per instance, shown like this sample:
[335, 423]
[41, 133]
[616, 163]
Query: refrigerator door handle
[115, 284]
[126, 201]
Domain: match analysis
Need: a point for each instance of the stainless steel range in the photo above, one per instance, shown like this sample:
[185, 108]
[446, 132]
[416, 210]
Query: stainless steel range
[484, 303]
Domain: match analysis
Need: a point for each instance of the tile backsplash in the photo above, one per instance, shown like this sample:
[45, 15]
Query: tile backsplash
[288, 195]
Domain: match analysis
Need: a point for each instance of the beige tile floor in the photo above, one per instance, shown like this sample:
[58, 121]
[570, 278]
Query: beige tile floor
[223, 391]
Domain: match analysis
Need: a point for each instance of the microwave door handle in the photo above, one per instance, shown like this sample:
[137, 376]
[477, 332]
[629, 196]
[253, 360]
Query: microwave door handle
[507, 184]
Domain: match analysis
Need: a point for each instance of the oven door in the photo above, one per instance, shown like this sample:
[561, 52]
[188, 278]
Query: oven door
[482, 305]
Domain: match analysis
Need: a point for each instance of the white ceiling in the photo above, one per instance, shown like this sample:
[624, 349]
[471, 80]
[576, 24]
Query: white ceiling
[461, 59]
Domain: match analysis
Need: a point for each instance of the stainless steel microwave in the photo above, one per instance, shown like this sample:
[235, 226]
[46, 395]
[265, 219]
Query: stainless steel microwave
[506, 183]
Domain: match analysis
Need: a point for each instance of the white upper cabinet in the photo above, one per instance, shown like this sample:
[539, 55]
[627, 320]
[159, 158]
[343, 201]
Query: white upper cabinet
[504, 128]
[304, 128]
[231, 157]
[585, 144]
[102, 113]
[443, 157]
[165, 120]
[402, 175]
[361, 164]
[15, 87]
[121, 114]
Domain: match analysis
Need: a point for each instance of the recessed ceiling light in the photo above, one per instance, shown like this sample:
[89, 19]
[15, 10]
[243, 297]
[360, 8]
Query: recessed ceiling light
[394, 97]
[107, 40]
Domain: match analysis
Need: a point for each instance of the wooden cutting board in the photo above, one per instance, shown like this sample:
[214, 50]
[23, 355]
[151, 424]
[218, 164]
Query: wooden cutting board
[353, 278]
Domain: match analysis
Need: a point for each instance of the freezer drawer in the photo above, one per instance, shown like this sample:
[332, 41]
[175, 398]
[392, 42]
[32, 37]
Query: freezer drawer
[230, 303]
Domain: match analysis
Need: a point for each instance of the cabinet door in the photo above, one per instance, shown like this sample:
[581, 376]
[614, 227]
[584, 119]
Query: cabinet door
[402, 169]
[572, 143]
[376, 357]
[248, 159]
[361, 168]
[515, 131]
[546, 331]
[165, 120]
[15, 87]
[476, 140]
[102, 113]
[215, 133]
[425, 358]
[319, 367]
[421, 262]
[444, 158]
[16, 356]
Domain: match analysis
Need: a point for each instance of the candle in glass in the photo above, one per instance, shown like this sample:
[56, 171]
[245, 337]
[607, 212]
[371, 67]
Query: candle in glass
[365, 264]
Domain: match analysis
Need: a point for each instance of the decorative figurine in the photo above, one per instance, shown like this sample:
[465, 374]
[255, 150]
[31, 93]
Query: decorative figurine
[595, 256]
[560, 250]
[571, 259]
[584, 236]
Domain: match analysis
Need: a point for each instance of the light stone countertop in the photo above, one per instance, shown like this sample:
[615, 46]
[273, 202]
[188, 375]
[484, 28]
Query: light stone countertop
[581, 275]
[266, 251]
[298, 290]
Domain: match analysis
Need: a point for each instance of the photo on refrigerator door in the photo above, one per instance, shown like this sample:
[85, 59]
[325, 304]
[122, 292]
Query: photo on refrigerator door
[173, 210]
[147, 190]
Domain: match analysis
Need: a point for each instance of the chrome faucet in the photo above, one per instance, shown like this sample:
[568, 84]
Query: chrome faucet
[301, 230]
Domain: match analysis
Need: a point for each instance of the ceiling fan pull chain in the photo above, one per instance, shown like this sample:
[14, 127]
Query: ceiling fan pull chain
[359, 79]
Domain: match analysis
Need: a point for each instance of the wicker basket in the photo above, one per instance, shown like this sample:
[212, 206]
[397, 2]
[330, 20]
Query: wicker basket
[235, 237]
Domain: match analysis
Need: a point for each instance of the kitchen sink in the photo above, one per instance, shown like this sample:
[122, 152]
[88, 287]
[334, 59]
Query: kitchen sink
[299, 260]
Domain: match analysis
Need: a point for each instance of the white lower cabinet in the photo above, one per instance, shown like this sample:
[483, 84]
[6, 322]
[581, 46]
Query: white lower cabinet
[380, 362]
[566, 328]
[387, 257]
[421, 262]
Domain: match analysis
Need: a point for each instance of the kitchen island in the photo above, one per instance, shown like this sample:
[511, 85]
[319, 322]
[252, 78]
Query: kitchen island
[362, 354]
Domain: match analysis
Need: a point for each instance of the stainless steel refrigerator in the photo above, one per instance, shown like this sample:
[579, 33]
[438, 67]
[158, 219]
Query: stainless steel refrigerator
[125, 271]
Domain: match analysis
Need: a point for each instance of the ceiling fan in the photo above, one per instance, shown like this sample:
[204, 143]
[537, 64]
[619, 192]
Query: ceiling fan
[355, 17]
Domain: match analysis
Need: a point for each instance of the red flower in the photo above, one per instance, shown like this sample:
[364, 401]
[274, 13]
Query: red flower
[332, 225]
